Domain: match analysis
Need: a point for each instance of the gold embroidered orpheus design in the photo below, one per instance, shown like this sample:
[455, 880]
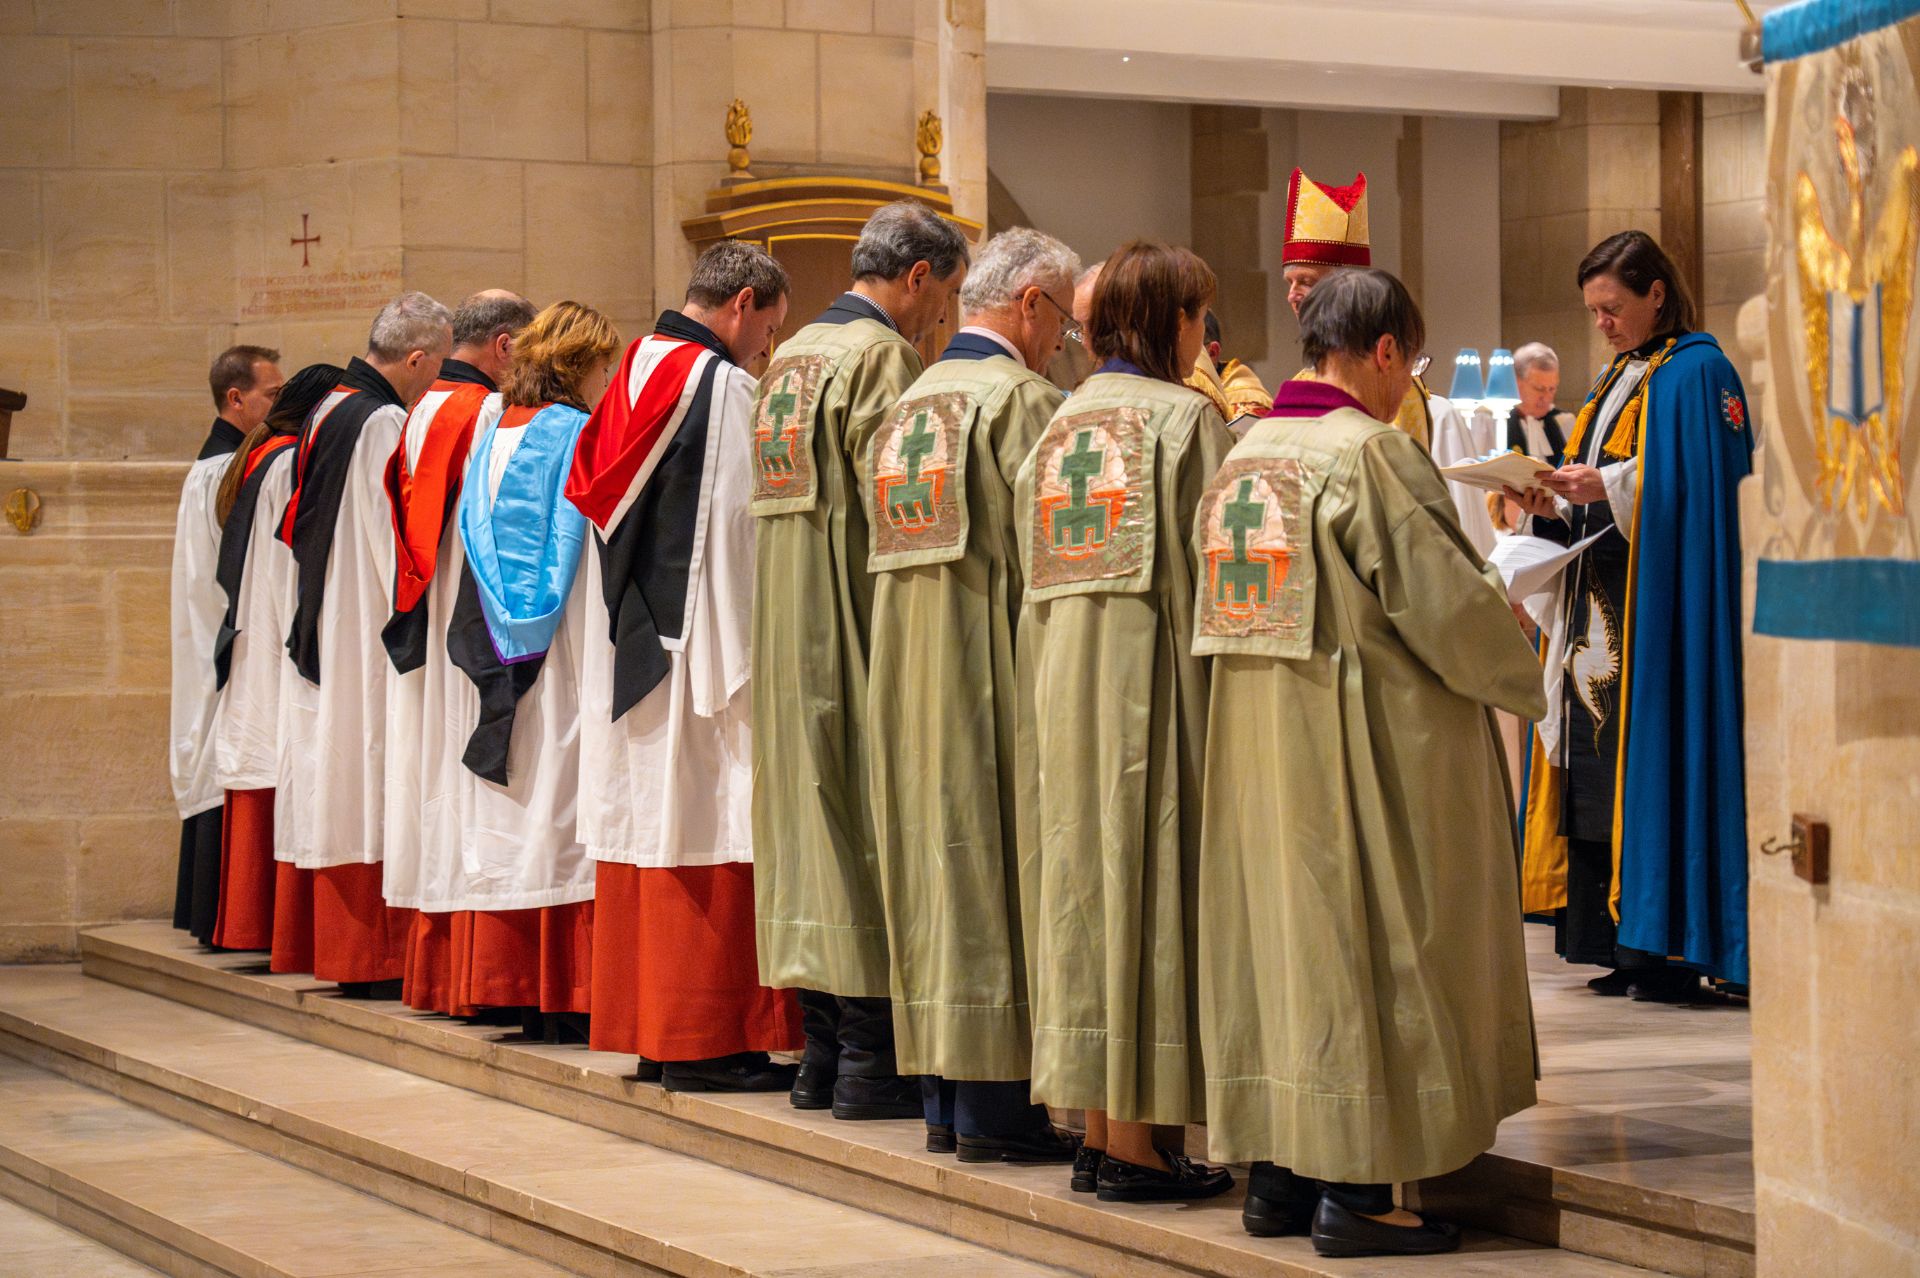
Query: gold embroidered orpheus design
[1856, 299]
[918, 465]
[1594, 662]
[783, 473]
[1257, 587]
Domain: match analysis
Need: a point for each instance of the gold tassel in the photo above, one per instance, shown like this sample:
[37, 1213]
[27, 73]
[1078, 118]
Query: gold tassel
[1624, 442]
[1587, 410]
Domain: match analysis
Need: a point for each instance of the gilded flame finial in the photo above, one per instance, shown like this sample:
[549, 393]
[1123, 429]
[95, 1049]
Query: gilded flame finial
[739, 133]
[928, 137]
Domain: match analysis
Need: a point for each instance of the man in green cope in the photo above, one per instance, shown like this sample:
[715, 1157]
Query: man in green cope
[941, 701]
[820, 925]
[1364, 1013]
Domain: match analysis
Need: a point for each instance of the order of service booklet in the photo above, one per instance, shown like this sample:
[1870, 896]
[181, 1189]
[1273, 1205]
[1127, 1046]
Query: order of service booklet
[1497, 471]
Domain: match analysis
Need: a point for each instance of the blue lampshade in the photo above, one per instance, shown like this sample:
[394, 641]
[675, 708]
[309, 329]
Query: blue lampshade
[1500, 380]
[1466, 375]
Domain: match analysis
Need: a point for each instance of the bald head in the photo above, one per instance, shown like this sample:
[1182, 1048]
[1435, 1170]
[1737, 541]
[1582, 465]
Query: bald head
[483, 329]
[1083, 294]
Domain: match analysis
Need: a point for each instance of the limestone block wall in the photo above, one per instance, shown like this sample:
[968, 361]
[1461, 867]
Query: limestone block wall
[1733, 187]
[88, 831]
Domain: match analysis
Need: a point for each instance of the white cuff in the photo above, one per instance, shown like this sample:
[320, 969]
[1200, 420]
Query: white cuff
[1622, 479]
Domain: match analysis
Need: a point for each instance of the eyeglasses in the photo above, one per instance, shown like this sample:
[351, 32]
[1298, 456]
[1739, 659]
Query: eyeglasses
[1421, 365]
[1071, 331]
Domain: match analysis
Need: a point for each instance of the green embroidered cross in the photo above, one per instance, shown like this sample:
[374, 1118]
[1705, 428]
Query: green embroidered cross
[1080, 521]
[1245, 579]
[776, 451]
[911, 500]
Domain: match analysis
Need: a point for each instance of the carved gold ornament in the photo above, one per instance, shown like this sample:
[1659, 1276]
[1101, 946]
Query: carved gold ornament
[23, 509]
[739, 133]
[1856, 304]
[928, 137]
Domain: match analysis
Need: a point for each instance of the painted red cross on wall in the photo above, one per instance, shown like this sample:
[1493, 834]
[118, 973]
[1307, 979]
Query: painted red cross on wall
[303, 240]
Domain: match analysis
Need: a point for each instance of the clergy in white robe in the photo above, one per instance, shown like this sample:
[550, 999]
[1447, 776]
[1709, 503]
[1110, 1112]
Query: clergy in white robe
[664, 472]
[1461, 434]
[256, 576]
[244, 381]
[340, 527]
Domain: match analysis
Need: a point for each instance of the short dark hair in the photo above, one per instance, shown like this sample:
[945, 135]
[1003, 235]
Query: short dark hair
[483, 317]
[1352, 309]
[1144, 291]
[1213, 326]
[902, 233]
[731, 265]
[1637, 260]
[233, 370]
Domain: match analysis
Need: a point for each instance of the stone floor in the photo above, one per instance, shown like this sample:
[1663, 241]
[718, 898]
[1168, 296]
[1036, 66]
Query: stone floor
[34, 1245]
[1653, 1096]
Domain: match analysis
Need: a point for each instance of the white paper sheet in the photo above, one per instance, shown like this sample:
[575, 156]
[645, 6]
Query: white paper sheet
[1505, 470]
[1529, 565]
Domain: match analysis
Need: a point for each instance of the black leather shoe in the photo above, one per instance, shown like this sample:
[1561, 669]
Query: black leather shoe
[1671, 985]
[1131, 1183]
[1278, 1203]
[741, 1072]
[378, 991]
[1614, 984]
[1086, 1169]
[940, 1139]
[812, 1088]
[1043, 1145]
[859, 1099]
[1340, 1232]
[647, 1071]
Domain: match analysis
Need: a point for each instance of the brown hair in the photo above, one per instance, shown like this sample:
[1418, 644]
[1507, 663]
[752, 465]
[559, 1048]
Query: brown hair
[553, 354]
[297, 398]
[1636, 260]
[731, 265]
[1144, 291]
[233, 370]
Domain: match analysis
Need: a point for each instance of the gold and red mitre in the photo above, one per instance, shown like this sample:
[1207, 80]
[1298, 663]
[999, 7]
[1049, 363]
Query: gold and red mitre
[1327, 223]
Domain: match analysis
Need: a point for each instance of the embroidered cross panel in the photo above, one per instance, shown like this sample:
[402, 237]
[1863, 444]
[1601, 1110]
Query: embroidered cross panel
[1093, 501]
[784, 478]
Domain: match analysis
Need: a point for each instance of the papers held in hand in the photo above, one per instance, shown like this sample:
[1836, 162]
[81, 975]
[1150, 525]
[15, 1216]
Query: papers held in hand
[1531, 565]
[1498, 470]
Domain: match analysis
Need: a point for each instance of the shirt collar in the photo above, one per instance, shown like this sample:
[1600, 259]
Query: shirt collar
[998, 339]
[678, 324]
[861, 302]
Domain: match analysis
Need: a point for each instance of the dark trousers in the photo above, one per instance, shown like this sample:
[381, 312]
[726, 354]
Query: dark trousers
[981, 1109]
[1279, 1184]
[196, 892]
[848, 1036]
[1585, 932]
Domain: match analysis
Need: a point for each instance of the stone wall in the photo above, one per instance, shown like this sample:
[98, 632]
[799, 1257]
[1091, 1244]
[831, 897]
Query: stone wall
[1733, 188]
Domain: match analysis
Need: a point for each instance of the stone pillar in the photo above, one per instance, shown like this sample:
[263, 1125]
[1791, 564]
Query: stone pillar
[1565, 185]
[1229, 178]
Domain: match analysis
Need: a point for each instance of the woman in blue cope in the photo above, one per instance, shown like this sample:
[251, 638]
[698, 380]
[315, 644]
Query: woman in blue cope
[1636, 807]
[1363, 993]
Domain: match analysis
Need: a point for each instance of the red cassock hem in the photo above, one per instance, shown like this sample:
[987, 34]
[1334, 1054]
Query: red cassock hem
[356, 935]
[427, 981]
[675, 974]
[292, 919]
[247, 874]
[526, 958]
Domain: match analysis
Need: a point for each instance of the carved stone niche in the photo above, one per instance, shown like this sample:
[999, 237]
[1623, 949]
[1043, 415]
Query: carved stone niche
[810, 224]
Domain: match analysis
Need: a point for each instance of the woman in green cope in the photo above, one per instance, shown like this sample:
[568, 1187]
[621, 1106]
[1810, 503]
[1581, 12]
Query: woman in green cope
[1110, 748]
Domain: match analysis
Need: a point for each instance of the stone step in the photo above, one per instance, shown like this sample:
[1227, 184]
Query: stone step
[880, 1167]
[189, 1203]
[575, 1196]
[38, 1244]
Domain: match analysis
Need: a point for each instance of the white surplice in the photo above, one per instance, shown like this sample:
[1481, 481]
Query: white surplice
[246, 734]
[671, 783]
[1461, 437]
[199, 607]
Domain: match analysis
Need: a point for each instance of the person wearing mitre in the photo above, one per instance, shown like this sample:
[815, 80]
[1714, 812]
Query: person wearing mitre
[423, 481]
[255, 572]
[663, 473]
[244, 381]
[943, 700]
[822, 928]
[331, 798]
[1364, 1011]
[1326, 231]
[1636, 803]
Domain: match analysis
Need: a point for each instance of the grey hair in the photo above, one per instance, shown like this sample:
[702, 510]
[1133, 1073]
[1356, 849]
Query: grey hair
[1351, 310]
[1535, 355]
[410, 322]
[484, 316]
[905, 232]
[1012, 262]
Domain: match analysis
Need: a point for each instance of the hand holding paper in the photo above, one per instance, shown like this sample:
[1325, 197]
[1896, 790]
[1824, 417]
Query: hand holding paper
[1498, 471]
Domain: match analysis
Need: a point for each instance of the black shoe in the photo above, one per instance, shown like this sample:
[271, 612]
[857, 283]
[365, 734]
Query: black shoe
[647, 1071]
[1669, 985]
[378, 991]
[1614, 984]
[740, 1072]
[859, 1099]
[1131, 1183]
[1279, 1203]
[812, 1088]
[1086, 1169]
[1043, 1145]
[1338, 1231]
[940, 1139]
